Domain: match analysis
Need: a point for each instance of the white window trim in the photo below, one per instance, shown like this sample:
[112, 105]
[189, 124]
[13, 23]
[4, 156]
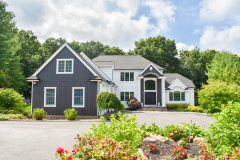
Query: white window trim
[64, 66]
[125, 77]
[78, 106]
[55, 96]
[124, 95]
[180, 96]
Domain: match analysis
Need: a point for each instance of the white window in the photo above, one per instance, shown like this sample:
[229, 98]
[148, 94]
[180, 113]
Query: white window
[126, 95]
[50, 96]
[176, 96]
[64, 66]
[126, 76]
[78, 97]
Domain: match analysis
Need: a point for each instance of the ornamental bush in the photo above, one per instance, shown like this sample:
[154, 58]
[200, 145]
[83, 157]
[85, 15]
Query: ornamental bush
[10, 98]
[134, 104]
[216, 94]
[70, 114]
[108, 100]
[176, 106]
[39, 113]
[124, 129]
[224, 134]
[195, 109]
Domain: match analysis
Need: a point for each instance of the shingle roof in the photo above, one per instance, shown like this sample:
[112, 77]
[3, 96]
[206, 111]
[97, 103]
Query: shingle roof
[125, 61]
[170, 77]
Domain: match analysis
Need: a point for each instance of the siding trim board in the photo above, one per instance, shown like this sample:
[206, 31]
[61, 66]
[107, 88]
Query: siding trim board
[45, 96]
[73, 96]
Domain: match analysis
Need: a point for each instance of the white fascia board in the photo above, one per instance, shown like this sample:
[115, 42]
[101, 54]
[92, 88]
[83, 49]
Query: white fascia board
[33, 80]
[149, 66]
[95, 67]
[56, 53]
[162, 77]
[172, 85]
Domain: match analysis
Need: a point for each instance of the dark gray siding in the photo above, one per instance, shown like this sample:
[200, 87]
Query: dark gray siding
[64, 84]
[151, 71]
[159, 91]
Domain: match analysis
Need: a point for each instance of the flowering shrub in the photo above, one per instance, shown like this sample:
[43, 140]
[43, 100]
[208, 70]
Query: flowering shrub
[140, 144]
[91, 147]
[205, 154]
[124, 129]
[166, 139]
[182, 143]
[179, 152]
[152, 147]
[174, 132]
[145, 154]
[192, 130]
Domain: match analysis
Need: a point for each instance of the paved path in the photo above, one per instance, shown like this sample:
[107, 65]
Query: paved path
[38, 140]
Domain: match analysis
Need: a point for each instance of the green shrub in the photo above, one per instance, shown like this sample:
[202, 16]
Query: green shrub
[70, 114]
[124, 129]
[176, 106]
[216, 94]
[174, 132]
[108, 100]
[39, 113]
[181, 109]
[151, 129]
[195, 109]
[192, 130]
[10, 98]
[182, 143]
[4, 117]
[224, 134]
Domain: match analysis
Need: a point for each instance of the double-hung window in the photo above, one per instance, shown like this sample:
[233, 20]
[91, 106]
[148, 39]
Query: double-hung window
[176, 96]
[126, 76]
[50, 96]
[64, 66]
[126, 95]
[78, 97]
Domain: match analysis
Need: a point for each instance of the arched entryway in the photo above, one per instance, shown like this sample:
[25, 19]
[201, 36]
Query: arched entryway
[150, 91]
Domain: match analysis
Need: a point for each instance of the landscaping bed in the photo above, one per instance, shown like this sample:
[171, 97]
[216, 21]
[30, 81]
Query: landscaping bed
[164, 149]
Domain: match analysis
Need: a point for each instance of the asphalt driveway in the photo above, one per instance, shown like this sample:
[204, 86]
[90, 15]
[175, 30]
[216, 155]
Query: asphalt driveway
[38, 140]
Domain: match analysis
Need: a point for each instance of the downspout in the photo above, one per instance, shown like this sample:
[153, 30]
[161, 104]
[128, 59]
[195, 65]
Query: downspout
[98, 93]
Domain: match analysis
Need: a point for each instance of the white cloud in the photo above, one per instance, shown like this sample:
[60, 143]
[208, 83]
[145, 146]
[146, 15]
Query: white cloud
[163, 12]
[83, 20]
[227, 39]
[218, 10]
[196, 31]
[182, 46]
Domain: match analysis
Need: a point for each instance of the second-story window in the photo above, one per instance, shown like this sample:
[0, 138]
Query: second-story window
[127, 76]
[64, 66]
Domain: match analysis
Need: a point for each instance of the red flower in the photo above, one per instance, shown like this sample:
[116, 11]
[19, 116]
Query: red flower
[145, 154]
[73, 150]
[77, 149]
[65, 151]
[69, 157]
[59, 150]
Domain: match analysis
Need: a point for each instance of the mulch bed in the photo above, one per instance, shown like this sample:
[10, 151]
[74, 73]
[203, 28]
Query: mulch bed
[164, 149]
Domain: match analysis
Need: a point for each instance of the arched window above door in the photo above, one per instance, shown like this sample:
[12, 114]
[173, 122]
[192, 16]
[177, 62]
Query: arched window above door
[150, 85]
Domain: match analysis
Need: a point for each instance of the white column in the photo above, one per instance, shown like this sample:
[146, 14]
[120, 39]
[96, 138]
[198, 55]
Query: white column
[163, 93]
[139, 90]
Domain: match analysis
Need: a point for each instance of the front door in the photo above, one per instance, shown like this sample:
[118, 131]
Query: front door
[150, 98]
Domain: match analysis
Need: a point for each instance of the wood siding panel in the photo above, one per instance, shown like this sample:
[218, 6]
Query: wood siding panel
[64, 84]
[159, 91]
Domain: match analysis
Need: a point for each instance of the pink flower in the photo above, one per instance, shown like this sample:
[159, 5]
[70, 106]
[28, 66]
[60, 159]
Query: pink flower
[65, 151]
[73, 150]
[171, 134]
[145, 154]
[59, 150]
[180, 129]
[69, 157]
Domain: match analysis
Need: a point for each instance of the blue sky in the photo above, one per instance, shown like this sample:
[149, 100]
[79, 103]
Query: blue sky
[207, 24]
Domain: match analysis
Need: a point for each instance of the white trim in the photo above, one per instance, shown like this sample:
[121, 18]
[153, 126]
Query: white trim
[56, 53]
[153, 66]
[55, 96]
[163, 92]
[65, 64]
[125, 77]
[78, 106]
[172, 85]
[33, 80]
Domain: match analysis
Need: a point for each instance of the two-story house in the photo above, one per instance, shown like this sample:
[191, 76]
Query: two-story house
[71, 80]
